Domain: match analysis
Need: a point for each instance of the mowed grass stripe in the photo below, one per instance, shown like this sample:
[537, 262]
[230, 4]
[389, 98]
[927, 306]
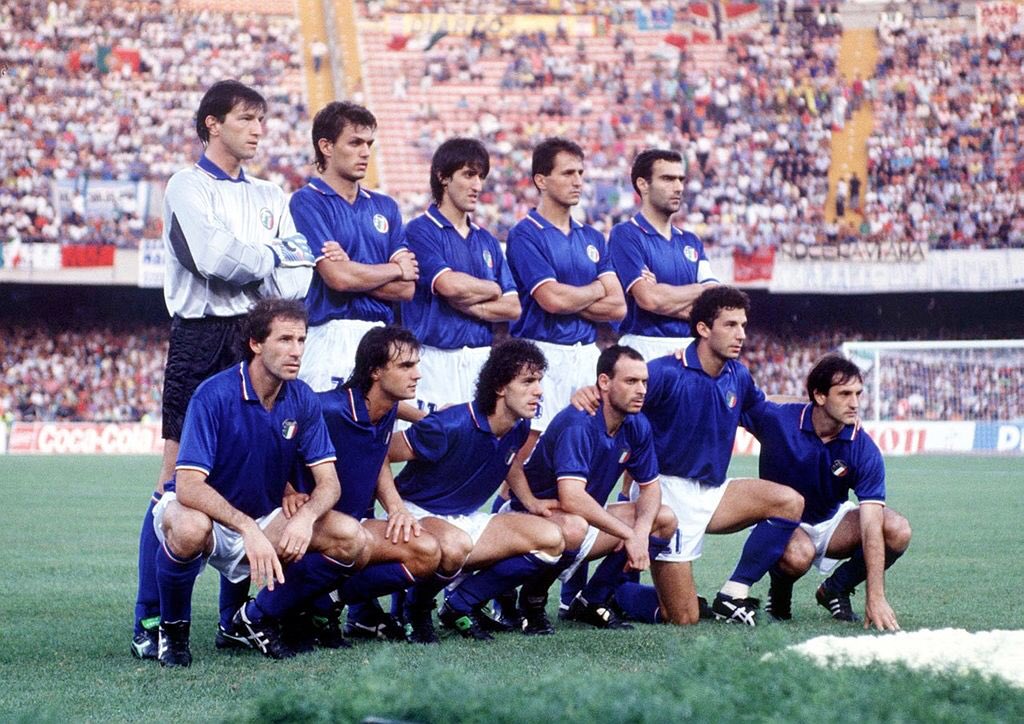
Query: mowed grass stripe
[69, 534]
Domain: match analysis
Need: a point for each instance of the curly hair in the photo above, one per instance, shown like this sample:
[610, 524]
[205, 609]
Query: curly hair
[506, 362]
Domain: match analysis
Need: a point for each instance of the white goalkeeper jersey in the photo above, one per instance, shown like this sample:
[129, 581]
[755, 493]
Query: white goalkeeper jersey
[215, 233]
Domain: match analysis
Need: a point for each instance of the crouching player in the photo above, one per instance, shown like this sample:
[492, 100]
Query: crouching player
[457, 459]
[245, 429]
[576, 464]
[820, 450]
[360, 417]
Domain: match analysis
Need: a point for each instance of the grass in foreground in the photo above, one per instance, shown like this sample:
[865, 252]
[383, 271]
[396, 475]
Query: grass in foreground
[69, 534]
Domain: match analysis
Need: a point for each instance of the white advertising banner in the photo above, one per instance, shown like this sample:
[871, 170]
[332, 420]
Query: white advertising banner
[896, 438]
[85, 438]
[151, 263]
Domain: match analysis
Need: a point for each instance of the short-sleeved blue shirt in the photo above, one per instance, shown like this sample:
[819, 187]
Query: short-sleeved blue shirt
[459, 462]
[539, 252]
[369, 230]
[824, 473]
[577, 446]
[635, 246]
[439, 248]
[247, 452]
[694, 415]
[361, 445]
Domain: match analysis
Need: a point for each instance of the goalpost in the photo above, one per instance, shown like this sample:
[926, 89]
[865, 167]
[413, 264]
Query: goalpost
[975, 380]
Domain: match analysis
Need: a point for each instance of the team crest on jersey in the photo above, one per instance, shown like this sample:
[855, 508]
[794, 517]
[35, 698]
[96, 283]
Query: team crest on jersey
[593, 254]
[380, 223]
[840, 468]
[623, 457]
[289, 428]
[690, 253]
[730, 399]
[267, 218]
[488, 259]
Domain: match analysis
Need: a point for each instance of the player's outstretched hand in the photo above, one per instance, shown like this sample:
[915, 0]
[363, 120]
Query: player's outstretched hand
[879, 613]
[332, 251]
[291, 503]
[408, 265]
[586, 399]
[292, 251]
[401, 524]
[264, 565]
[295, 537]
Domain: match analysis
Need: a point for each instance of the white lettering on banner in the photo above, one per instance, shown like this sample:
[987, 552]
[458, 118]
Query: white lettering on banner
[83, 438]
[896, 438]
[1009, 439]
[956, 270]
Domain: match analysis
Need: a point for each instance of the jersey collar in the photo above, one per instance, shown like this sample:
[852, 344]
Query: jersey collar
[443, 222]
[806, 423]
[325, 189]
[214, 171]
[645, 226]
[357, 405]
[541, 223]
[248, 391]
[479, 418]
[690, 358]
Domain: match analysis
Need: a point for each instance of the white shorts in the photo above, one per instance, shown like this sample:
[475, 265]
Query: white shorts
[694, 504]
[472, 525]
[654, 347]
[821, 535]
[449, 375]
[228, 554]
[570, 367]
[330, 352]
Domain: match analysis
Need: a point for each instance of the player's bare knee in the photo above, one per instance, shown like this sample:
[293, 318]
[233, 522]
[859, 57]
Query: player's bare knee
[425, 555]
[684, 615]
[574, 531]
[342, 537]
[896, 530]
[666, 523]
[548, 539]
[186, 531]
[455, 549]
[788, 503]
[798, 557]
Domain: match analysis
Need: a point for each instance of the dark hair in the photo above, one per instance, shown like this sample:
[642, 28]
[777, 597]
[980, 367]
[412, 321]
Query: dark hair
[713, 300]
[257, 323]
[831, 370]
[452, 155]
[331, 120]
[611, 355]
[505, 362]
[219, 100]
[545, 152]
[378, 346]
[643, 164]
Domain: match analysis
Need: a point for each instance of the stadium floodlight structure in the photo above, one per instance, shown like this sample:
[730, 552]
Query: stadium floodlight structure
[975, 380]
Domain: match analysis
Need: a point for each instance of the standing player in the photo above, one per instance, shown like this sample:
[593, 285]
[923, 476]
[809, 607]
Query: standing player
[566, 282]
[228, 240]
[360, 417]
[662, 269]
[694, 406]
[351, 291]
[457, 458]
[245, 430]
[820, 450]
[465, 285]
[577, 462]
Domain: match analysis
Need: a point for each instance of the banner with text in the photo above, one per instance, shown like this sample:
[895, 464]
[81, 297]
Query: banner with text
[85, 438]
[912, 438]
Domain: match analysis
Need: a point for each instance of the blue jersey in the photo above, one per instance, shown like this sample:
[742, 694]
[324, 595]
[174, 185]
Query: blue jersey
[362, 448]
[824, 473]
[246, 451]
[459, 462]
[635, 246]
[694, 415]
[369, 230]
[539, 252]
[577, 446]
[439, 248]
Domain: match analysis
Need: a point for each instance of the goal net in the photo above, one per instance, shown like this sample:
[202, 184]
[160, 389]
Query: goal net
[975, 380]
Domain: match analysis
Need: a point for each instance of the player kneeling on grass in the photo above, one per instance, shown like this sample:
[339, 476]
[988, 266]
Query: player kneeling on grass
[360, 417]
[820, 450]
[245, 429]
[576, 463]
[457, 458]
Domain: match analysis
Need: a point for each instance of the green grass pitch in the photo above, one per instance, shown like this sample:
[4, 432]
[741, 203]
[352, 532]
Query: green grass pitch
[68, 540]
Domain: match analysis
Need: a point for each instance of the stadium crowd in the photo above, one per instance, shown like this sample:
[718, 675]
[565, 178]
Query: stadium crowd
[946, 161]
[100, 91]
